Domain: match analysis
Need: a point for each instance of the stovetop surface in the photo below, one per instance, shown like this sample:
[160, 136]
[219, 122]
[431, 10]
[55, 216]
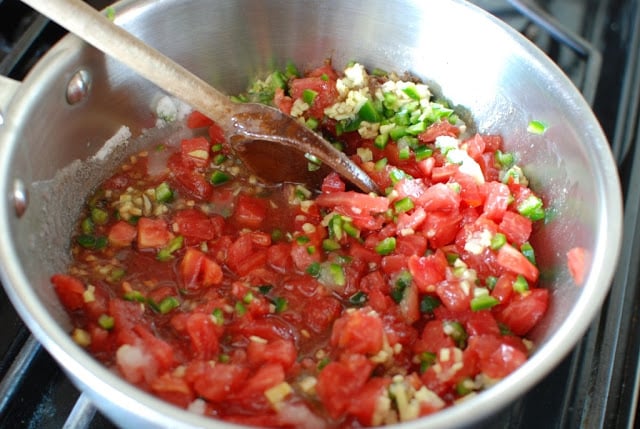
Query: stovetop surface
[597, 44]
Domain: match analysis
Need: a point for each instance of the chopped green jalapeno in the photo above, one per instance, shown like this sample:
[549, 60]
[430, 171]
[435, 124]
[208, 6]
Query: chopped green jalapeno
[537, 127]
[358, 299]
[313, 269]
[497, 241]
[309, 95]
[381, 140]
[428, 303]
[520, 285]
[217, 316]
[99, 216]
[330, 245]
[219, 177]
[167, 252]
[483, 302]
[423, 152]
[164, 194]
[403, 205]
[168, 304]
[280, 304]
[528, 252]
[456, 331]
[386, 246]
[426, 360]
[106, 322]
[369, 113]
[532, 208]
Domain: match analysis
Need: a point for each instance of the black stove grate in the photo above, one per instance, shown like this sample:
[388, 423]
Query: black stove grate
[597, 44]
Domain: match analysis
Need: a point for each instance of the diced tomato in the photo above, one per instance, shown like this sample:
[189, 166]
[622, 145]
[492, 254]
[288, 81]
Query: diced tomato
[195, 151]
[279, 351]
[282, 101]
[497, 201]
[475, 146]
[355, 202]
[453, 295]
[268, 375]
[524, 310]
[515, 227]
[244, 256]
[364, 403]
[577, 263]
[437, 129]
[325, 89]
[441, 228]
[204, 336]
[503, 288]
[153, 233]
[216, 134]
[122, 234]
[188, 180]
[70, 291]
[481, 323]
[513, 260]
[411, 220]
[427, 271]
[332, 183]
[341, 380]
[198, 120]
[359, 332]
[250, 211]
[173, 388]
[279, 257]
[195, 226]
[496, 358]
[217, 381]
[439, 197]
[322, 313]
[433, 338]
[198, 270]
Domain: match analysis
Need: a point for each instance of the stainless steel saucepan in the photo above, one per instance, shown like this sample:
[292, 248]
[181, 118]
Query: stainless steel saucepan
[56, 122]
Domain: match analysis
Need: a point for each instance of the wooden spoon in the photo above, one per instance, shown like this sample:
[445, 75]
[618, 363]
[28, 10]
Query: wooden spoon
[272, 144]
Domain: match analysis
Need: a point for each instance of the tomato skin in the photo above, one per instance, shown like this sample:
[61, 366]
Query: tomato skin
[324, 311]
[524, 310]
[70, 291]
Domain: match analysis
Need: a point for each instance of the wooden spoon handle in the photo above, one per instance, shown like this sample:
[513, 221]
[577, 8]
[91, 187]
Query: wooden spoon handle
[97, 30]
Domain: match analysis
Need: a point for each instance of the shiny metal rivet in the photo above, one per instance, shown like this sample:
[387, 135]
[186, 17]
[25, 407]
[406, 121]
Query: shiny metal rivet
[78, 87]
[1, 118]
[20, 197]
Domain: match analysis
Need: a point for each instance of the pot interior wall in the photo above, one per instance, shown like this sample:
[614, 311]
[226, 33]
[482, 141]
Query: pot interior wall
[228, 43]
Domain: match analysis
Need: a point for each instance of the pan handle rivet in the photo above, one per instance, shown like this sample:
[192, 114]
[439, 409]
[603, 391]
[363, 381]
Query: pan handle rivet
[20, 197]
[78, 86]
